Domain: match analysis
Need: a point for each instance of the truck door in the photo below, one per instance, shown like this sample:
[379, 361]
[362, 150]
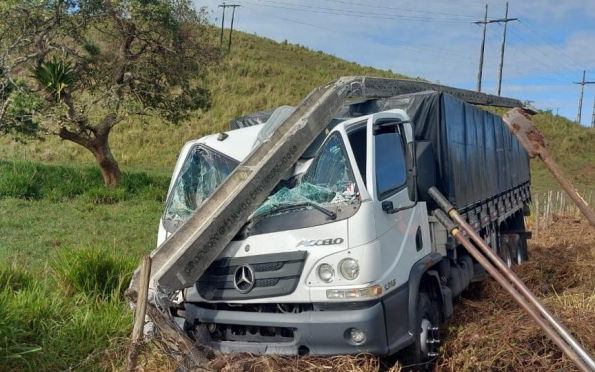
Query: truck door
[403, 236]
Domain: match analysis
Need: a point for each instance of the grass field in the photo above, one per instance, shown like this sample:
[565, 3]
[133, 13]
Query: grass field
[68, 245]
[68, 249]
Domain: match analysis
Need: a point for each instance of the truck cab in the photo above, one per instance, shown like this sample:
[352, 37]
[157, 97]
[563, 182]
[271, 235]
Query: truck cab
[329, 256]
[345, 255]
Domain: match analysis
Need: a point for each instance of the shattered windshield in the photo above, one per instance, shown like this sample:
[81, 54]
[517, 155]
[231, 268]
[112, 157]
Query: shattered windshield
[329, 181]
[202, 171]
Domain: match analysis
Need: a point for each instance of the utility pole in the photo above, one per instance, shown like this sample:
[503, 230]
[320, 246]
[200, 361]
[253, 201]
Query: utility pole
[234, 6]
[505, 20]
[593, 116]
[222, 21]
[483, 43]
[233, 12]
[485, 22]
[580, 100]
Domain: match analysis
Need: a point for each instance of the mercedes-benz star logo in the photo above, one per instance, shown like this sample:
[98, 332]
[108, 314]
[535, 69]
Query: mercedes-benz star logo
[243, 279]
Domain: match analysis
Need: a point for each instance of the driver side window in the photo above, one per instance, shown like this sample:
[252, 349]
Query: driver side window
[390, 164]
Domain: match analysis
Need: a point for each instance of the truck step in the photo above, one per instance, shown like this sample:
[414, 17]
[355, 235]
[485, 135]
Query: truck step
[479, 273]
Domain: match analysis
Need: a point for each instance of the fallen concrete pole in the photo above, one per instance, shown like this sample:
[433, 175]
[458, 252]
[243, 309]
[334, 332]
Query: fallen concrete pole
[569, 340]
[521, 125]
[185, 256]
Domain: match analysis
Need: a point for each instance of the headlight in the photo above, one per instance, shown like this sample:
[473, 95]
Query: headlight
[354, 293]
[326, 273]
[349, 268]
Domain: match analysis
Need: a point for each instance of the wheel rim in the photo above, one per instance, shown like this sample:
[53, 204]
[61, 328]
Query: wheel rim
[424, 336]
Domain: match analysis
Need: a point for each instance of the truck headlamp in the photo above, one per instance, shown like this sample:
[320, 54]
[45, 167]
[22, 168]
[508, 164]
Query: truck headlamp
[349, 269]
[326, 273]
[354, 293]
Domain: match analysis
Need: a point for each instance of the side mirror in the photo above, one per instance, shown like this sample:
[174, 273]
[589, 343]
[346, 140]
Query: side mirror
[411, 171]
[426, 169]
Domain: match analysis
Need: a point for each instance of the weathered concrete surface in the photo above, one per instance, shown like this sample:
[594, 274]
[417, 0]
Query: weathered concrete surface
[184, 257]
[521, 125]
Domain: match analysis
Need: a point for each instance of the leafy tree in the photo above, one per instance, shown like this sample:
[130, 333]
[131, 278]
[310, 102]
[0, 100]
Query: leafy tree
[77, 68]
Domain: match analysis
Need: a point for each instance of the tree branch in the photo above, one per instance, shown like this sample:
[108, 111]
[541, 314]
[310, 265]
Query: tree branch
[74, 137]
[4, 107]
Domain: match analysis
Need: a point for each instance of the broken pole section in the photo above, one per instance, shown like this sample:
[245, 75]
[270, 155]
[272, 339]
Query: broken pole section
[185, 256]
[139, 315]
[533, 141]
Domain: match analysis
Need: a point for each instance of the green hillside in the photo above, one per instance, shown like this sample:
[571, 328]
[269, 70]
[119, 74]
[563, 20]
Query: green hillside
[69, 245]
[262, 74]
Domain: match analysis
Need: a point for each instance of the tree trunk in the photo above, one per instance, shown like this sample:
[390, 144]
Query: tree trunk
[108, 165]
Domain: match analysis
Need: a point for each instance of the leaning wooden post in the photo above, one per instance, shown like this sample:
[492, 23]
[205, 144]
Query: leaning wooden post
[536, 217]
[139, 315]
[520, 124]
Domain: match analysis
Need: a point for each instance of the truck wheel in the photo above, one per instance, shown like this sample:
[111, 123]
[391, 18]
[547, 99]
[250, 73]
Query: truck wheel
[421, 356]
[505, 251]
[517, 249]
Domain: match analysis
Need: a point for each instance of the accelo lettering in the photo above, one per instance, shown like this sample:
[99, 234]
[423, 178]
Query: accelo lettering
[313, 242]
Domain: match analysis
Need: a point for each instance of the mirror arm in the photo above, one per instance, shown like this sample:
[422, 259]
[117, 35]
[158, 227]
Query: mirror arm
[413, 174]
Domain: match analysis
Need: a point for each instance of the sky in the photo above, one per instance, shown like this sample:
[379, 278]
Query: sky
[547, 48]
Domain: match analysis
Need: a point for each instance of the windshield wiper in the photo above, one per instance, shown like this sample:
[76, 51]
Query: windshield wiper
[332, 215]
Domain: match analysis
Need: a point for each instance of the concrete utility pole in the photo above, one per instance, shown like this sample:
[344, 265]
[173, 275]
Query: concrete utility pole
[505, 20]
[485, 22]
[234, 6]
[222, 21]
[593, 116]
[483, 43]
[233, 12]
[580, 100]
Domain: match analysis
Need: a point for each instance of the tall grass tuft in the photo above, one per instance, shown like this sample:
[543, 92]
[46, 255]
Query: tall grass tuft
[15, 333]
[34, 181]
[42, 329]
[96, 272]
[14, 279]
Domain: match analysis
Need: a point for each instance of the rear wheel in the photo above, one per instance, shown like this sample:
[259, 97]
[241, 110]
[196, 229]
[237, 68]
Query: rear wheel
[505, 250]
[517, 248]
[421, 356]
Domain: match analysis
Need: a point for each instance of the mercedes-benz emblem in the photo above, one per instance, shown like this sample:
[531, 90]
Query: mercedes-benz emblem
[243, 278]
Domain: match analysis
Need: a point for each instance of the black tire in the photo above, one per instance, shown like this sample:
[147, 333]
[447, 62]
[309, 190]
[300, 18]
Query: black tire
[505, 250]
[422, 355]
[517, 249]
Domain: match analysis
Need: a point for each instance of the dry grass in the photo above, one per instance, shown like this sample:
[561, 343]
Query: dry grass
[490, 332]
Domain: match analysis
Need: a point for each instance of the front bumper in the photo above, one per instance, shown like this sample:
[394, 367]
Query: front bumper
[314, 332]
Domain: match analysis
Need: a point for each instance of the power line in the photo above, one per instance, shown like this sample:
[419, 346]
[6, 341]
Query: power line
[442, 53]
[548, 57]
[348, 13]
[547, 68]
[400, 9]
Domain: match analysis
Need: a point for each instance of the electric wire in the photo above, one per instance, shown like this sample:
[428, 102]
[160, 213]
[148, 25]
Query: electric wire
[547, 57]
[348, 13]
[444, 54]
[401, 9]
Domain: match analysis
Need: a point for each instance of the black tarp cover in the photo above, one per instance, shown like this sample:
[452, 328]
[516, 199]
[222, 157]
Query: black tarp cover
[250, 120]
[477, 156]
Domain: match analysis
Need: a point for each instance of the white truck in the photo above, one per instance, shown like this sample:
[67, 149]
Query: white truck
[345, 256]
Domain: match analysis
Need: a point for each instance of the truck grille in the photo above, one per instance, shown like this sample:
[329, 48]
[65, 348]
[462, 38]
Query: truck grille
[274, 275]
